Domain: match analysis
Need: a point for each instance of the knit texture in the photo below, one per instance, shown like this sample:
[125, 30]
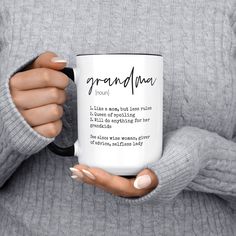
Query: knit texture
[196, 194]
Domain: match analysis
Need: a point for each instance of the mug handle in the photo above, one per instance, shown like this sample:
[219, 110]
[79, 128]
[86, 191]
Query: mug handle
[68, 151]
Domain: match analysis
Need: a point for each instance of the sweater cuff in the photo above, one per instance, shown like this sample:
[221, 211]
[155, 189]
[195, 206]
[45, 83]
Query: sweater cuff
[184, 153]
[22, 136]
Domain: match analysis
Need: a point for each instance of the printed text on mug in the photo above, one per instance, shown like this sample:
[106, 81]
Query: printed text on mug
[134, 82]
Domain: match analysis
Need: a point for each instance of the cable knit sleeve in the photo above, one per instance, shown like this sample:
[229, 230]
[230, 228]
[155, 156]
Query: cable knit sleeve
[193, 159]
[18, 140]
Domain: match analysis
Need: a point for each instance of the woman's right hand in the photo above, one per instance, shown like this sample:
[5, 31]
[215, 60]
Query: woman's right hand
[39, 93]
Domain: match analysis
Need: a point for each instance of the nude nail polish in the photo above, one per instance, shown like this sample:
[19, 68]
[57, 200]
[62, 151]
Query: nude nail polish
[142, 181]
[77, 172]
[58, 60]
[74, 176]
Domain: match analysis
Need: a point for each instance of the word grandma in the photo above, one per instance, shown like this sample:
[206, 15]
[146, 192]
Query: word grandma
[130, 80]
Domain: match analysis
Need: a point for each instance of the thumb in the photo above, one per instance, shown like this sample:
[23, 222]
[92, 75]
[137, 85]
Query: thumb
[146, 179]
[48, 60]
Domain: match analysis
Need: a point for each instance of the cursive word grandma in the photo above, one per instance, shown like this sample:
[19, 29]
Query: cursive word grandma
[128, 81]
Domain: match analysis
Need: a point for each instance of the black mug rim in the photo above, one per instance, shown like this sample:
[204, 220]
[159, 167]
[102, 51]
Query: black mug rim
[103, 54]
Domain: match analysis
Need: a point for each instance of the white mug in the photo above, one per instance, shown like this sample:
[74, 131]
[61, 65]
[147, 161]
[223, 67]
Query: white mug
[120, 111]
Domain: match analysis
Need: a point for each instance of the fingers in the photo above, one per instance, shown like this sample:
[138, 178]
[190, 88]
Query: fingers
[49, 130]
[115, 184]
[26, 99]
[38, 78]
[42, 115]
[38, 92]
[48, 60]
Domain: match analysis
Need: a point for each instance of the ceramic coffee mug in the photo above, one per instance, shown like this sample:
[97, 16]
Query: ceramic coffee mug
[120, 111]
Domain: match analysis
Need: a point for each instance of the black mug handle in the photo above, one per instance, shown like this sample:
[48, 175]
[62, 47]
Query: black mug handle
[68, 151]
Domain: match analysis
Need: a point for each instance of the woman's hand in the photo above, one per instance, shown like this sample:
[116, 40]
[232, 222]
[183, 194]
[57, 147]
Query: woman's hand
[39, 93]
[144, 182]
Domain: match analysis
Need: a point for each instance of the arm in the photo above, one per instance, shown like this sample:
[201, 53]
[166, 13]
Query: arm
[193, 159]
[18, 140]
[196, 160]
[219, 174]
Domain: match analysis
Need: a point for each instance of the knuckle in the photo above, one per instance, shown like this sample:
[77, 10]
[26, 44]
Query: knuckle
[129, 191]
[53, 129]
[56, 111]
[46, 75]
[13, 81]
[62, 97]
[55, 94]
[124, 193]
[65, 80]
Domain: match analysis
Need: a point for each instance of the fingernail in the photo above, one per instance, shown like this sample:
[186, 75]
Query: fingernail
[142, 181]
[74, 176]
[77, 172]
[88, 174]
[58, 60]
[77, 178]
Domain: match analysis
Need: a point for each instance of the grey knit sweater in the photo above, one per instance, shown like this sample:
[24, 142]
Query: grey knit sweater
[197, 172]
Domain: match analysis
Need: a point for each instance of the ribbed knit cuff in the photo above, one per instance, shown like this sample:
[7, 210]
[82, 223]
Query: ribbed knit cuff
[185, 151]
[22, 136]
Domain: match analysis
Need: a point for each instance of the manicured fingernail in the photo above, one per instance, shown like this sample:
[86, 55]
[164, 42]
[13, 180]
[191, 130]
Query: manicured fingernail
[58, 60]
[77, 172]
[77, 178]
[88, 174]
[142, 181]
[74, 176]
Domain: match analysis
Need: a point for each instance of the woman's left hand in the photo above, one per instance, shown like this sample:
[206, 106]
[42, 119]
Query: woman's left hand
[144, 182]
